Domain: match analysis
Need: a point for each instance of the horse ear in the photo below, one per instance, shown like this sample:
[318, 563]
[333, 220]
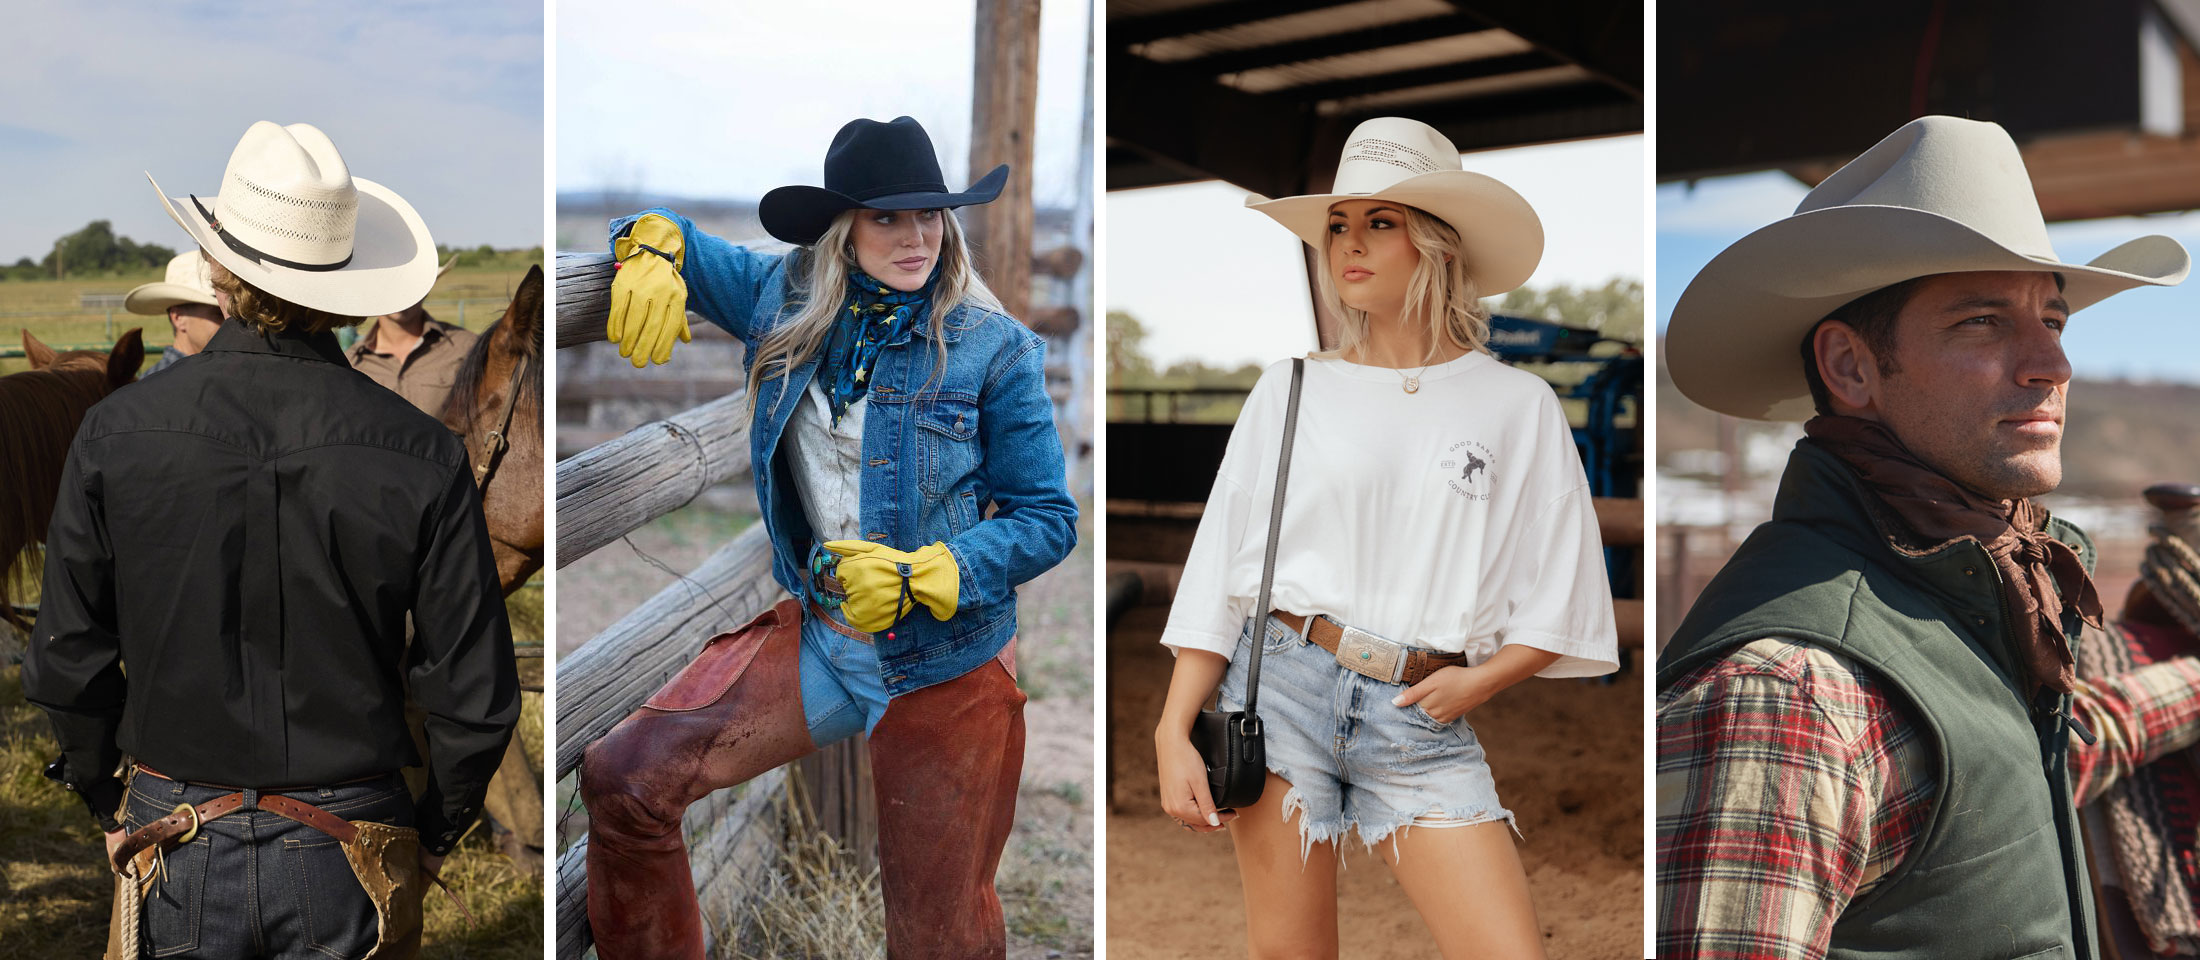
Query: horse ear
[41, 355]
[527, 303]
[127, 356]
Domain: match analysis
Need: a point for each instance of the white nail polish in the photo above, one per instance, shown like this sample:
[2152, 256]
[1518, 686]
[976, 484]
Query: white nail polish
[1398, 701]
[1213, 820]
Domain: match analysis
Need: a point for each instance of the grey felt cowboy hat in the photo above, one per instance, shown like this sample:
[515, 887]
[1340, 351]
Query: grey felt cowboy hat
[291, 220]
[1939, 195]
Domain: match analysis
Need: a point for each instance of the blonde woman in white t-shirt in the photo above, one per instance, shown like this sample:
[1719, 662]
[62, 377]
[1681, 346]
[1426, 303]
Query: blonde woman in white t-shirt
[1437, 545]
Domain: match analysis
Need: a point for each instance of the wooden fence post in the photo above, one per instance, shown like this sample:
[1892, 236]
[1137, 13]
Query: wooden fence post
[837, 782]
[1003, 113]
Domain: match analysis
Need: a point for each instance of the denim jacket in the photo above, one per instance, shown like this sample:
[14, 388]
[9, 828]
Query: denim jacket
[937, 453]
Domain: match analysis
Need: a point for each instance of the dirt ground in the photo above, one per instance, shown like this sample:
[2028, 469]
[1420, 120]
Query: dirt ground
[1567, 755]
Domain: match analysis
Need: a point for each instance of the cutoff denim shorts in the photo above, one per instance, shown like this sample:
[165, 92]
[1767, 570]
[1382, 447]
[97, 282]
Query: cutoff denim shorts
[843, 692]
[1353, 760]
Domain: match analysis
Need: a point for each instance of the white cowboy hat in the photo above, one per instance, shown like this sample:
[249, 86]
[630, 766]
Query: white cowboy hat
[1393, 158]
[293, 221]
[1939, 195]
[187, 281]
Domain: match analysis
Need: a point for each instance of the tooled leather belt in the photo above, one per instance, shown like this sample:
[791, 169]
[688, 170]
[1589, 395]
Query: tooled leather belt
[1370, 655]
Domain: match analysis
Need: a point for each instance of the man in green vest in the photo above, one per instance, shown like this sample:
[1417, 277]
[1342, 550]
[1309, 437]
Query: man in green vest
[1871, 737]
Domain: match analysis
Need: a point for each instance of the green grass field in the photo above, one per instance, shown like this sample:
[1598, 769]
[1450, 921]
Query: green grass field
[471, 297]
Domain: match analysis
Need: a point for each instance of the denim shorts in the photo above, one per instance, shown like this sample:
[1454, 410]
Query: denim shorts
[843, 693]
[254, 884]
[1353, 760]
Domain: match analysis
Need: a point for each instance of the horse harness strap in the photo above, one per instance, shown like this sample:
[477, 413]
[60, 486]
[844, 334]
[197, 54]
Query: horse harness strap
[494, 443]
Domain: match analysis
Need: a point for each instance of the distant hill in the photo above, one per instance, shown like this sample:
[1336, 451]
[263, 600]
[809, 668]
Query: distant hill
[2123, 436]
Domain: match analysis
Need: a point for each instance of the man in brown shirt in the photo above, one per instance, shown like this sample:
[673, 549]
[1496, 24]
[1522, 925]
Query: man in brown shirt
[414, 354]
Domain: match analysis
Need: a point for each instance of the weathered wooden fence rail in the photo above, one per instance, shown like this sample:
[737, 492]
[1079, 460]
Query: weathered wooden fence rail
[603, 494]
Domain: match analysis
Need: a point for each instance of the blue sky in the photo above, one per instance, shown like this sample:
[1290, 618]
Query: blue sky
[441, 102]
[2121, 337]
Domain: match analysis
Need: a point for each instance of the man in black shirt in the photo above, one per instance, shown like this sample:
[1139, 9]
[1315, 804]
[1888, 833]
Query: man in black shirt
[233, 555]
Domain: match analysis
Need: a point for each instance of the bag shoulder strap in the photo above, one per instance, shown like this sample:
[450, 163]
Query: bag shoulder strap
[1275, 531]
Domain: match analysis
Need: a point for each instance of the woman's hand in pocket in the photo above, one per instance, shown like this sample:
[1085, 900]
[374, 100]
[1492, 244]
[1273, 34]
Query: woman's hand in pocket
[1184, 795]
[1448, 694]
[1451, 692]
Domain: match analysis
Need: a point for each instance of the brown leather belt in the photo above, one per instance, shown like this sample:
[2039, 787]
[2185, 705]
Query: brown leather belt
[1370, 655]
[186, 819]
[178, 827]
[838, 627]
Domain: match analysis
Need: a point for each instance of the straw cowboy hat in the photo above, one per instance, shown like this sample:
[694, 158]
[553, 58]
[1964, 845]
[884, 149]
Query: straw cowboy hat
[871, 166]
[291, 220]
[187, 281]
[1393, 158]
[1939, 195]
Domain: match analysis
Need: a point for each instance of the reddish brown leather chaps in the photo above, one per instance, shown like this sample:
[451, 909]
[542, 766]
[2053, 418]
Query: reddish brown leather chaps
[945, 761]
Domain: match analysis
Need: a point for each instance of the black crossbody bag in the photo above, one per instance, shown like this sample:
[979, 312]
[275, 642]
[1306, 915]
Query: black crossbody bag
[1230, 743]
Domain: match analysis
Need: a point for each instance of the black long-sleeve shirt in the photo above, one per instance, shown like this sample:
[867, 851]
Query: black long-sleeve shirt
[233, 553]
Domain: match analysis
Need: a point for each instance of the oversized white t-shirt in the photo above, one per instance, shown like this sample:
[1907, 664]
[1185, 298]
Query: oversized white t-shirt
[1457, 518]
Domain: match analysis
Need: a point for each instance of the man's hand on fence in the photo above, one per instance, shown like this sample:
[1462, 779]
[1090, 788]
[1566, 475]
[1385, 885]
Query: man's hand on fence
[885, 584]
[648, 298]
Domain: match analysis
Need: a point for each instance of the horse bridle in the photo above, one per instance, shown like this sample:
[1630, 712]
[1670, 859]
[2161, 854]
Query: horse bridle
[494, 443]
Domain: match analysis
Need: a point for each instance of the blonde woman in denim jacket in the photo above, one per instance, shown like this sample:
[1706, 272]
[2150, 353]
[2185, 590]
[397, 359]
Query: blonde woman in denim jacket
[892, 403]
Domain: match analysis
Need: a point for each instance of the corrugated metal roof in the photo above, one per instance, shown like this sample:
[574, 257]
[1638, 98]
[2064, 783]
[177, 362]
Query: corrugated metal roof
[1292, 27]
[1460, 48]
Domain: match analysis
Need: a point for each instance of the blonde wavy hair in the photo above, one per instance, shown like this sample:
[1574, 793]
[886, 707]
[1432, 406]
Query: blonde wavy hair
[823, 269]
[1440, 292]
[269, 313]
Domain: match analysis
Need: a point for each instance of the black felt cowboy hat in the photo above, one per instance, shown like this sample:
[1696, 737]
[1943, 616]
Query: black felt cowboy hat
[871, 166]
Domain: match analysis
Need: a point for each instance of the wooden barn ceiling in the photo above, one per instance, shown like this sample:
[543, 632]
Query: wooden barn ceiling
[2118, 138]
[1256, 91]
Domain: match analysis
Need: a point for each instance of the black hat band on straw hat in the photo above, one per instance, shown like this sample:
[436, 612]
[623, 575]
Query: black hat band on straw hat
[248, 252]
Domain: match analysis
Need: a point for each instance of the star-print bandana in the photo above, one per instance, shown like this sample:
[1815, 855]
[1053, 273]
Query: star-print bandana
[874, 316]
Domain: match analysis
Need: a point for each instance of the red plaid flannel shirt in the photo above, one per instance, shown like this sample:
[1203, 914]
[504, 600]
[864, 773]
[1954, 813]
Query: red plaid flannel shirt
[1790, 782]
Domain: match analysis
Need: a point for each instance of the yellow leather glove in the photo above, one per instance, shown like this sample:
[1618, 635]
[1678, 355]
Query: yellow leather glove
[871, 573]
[648, 298]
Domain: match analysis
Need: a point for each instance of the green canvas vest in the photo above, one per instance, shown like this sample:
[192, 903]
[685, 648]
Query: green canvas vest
[1999, 872]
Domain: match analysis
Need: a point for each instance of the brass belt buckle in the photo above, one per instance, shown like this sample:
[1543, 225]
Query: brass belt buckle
[1369, 655]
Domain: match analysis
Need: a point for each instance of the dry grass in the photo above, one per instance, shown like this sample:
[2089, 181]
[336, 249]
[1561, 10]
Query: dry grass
[55, 891]
[817, 901]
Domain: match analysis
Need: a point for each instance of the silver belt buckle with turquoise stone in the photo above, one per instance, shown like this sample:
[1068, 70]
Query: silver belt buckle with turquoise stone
[1369, 655]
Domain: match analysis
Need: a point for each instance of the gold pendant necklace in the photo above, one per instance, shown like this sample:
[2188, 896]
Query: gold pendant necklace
[1412, 384]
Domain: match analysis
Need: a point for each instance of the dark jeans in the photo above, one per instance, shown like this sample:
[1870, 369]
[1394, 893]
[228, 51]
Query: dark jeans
[254, 884]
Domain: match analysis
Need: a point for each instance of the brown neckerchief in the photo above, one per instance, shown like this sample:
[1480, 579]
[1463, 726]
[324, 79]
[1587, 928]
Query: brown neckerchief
[2038, 570]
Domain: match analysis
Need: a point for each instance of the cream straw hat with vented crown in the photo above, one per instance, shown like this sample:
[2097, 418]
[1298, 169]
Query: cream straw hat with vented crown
[1410, 162]
[1939, 195]
[291, 220]
[186, 282]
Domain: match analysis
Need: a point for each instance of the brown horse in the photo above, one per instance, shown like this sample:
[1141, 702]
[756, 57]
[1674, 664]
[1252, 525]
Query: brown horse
[40, 409]
[496, 404]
